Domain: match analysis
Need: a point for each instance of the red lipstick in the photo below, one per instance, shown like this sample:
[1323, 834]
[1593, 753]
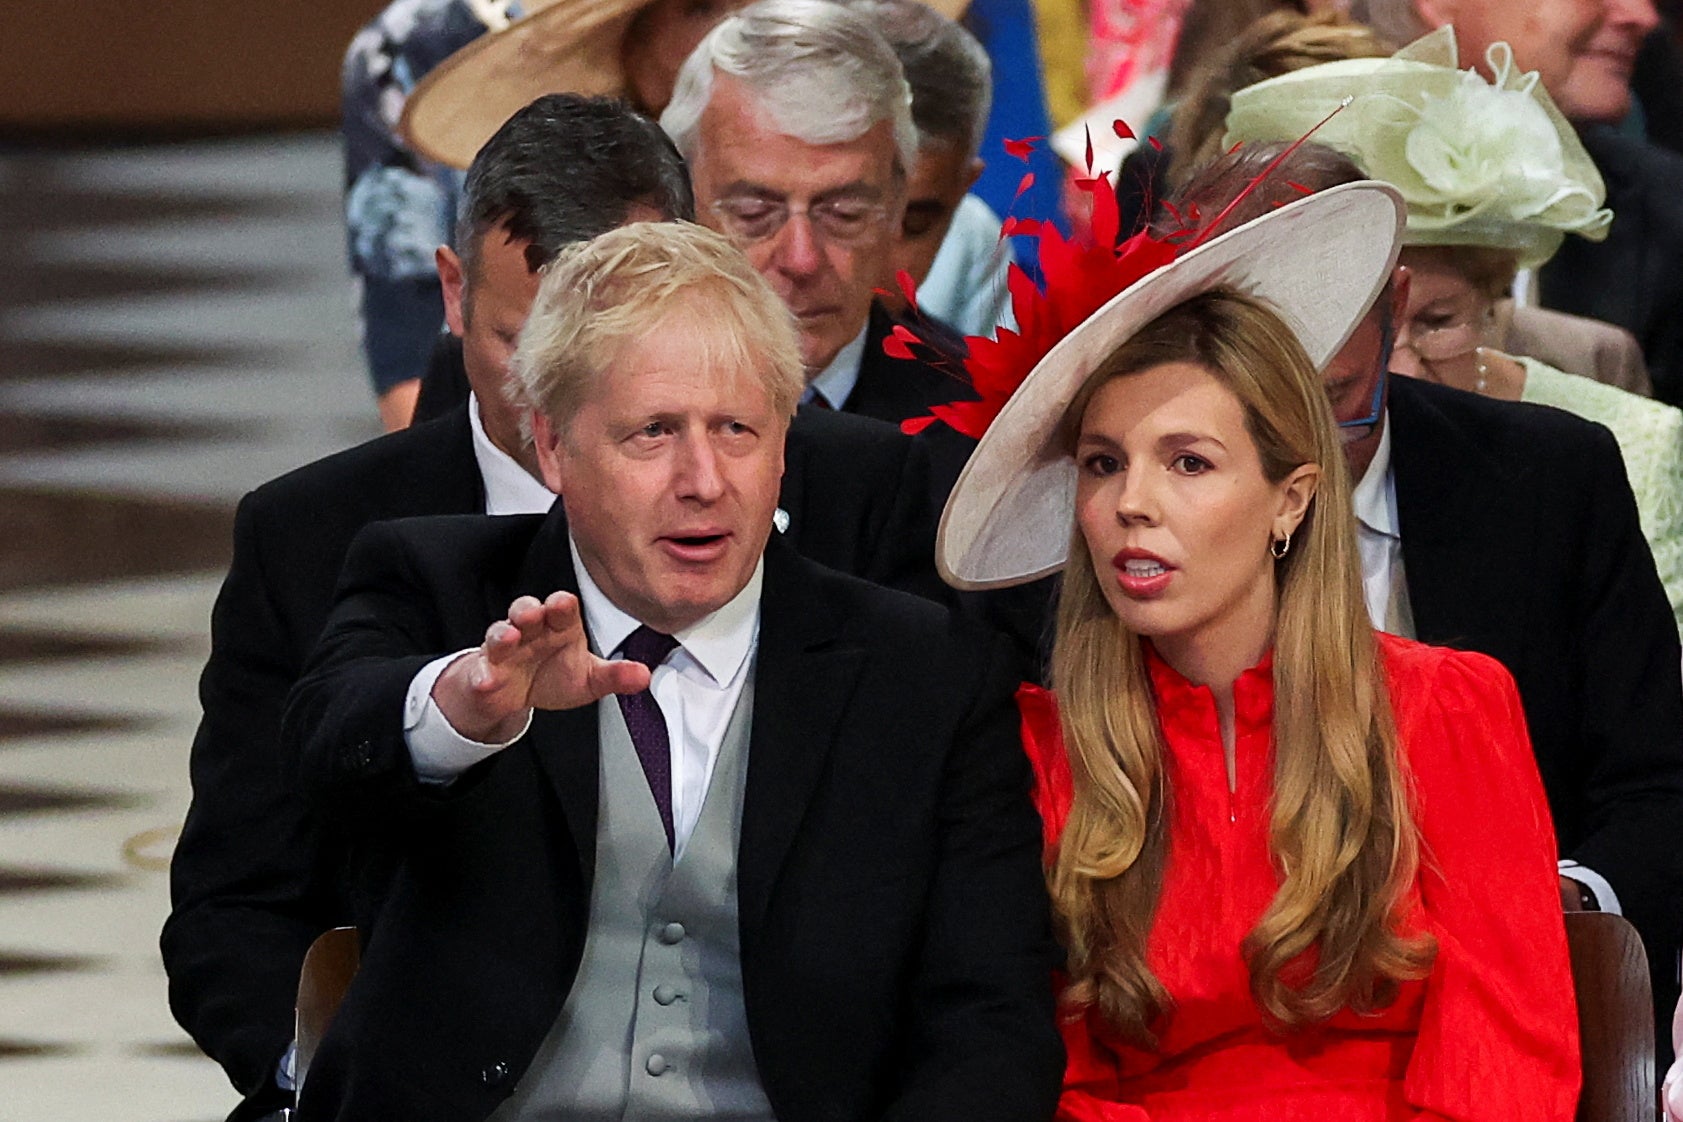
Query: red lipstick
[1142, 575]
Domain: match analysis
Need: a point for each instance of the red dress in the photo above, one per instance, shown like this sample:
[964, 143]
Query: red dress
[1490, 1034]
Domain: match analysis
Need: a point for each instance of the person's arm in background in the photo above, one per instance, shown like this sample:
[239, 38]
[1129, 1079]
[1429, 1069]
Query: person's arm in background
[399, 208]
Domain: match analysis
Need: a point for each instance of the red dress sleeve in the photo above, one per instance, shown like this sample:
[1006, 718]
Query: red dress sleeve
[1499, 1030]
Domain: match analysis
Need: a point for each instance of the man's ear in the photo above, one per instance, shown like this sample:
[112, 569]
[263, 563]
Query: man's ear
[1401, 281]
[450, 276]
[546, 442]
[974, 172]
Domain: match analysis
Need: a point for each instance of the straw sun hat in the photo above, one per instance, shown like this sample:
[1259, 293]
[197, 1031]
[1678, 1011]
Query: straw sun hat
[560, 46]
[1319, 262]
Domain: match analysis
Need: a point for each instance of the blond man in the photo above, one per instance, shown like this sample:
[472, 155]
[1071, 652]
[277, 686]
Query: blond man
[682, 832]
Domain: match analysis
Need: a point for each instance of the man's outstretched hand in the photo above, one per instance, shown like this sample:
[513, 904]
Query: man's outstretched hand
[537, 658]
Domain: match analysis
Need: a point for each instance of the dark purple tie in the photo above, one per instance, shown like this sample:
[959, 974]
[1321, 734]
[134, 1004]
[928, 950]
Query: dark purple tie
[647, 724]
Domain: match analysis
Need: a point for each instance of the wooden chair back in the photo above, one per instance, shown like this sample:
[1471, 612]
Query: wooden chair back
[1615, 1018]
[329, 966]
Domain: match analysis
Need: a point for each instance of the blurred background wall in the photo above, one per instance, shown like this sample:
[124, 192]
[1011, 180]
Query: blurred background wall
[173, 66]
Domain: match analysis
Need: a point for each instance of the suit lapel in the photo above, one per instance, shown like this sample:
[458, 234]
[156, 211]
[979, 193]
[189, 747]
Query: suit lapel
[804, 676]
[1456, 515]
[454, 482]
[564, 743]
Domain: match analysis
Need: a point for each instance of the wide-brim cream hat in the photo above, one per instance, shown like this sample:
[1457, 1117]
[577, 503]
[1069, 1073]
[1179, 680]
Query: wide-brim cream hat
[1479, 162]
[1319, 262]
[564, 46]
[561, 46]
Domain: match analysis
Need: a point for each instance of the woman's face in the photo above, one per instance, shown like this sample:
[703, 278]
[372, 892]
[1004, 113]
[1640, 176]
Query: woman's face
[1176, 512]
[1447, 318]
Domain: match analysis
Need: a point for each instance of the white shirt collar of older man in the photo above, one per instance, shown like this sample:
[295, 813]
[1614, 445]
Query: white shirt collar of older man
[836, 381]
[509, 488]
[1378, 530]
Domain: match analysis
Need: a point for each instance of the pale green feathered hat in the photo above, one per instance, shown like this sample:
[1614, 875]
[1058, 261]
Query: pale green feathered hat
[1478, 163]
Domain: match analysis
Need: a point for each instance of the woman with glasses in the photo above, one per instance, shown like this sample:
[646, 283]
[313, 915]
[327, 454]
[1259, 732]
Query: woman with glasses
[1494, 179]
[1267, 832]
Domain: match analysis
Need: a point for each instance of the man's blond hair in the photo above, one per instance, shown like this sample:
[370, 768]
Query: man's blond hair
[602, 295]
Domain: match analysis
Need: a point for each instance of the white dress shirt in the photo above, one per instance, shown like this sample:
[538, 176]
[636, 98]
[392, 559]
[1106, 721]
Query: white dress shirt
[1379, 539]
[836, 381]
[697, 688]
[509, 488]
[1378, 532]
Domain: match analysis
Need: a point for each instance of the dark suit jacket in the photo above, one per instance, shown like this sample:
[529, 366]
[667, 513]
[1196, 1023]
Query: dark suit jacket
[895, 943]
[895, 389]
[1520, 539]
[1635, 278]
[256, 874]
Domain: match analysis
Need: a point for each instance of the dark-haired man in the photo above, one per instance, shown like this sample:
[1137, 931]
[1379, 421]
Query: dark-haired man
[257, 876]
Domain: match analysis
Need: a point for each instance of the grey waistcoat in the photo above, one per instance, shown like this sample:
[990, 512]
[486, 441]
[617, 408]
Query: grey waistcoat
[654, 1027]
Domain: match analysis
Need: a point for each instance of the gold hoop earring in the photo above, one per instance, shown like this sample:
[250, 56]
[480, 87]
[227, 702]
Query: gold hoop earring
[1279, 547]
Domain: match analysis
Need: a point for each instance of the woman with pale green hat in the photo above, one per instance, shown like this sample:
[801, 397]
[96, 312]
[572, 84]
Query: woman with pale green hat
[1494, 180]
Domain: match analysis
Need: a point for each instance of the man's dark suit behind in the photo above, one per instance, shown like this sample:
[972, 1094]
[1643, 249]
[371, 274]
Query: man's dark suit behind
[1520, 539]
[256, 874]
[1635, 278]
[895, 947]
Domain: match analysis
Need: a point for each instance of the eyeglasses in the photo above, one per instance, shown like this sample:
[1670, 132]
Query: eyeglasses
[843, 221]
[1351, 431]
[1440, 344]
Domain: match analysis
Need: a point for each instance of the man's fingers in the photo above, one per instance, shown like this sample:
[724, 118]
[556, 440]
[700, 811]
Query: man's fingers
[617, 676]
[561, 613]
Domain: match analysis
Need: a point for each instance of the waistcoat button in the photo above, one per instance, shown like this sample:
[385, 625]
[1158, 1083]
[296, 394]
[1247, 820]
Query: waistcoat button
[494, 1074]
[656, 1064]
[665, 995]
[672, 934]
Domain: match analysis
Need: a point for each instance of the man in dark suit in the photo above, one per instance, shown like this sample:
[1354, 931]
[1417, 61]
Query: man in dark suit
[791, 871]
[257, 875]
[1514, 532]
[794, 116]
[1635, 278]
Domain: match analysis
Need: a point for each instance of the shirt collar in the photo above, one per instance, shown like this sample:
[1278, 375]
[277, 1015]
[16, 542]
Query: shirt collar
[836, 381]
[719, 642]
[509, 488]
[1375, 498]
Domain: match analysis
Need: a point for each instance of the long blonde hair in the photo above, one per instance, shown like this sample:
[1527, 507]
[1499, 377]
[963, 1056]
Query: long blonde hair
[1341, 830]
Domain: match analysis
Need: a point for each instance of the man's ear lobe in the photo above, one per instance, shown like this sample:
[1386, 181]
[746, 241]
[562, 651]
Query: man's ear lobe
[450, 277]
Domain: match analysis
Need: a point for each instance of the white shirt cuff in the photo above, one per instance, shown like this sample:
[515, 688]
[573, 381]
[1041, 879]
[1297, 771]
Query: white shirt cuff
[1606, 899]
[438, 751]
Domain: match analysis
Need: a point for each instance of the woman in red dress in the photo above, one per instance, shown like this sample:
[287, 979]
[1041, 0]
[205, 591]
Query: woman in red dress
[1301, 870]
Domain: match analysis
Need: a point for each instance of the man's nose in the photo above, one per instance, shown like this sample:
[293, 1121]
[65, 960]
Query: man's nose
[700, 477]
[796, 249]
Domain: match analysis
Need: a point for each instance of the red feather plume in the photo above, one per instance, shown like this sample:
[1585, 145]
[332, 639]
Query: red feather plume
[1081, 276]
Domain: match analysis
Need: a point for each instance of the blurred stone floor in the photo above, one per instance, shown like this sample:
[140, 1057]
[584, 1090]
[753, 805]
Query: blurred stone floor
[175, 328]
